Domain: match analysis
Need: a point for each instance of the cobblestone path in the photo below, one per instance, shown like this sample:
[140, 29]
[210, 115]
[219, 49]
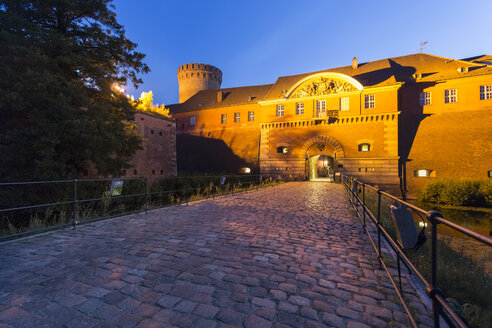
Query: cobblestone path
[287, 256]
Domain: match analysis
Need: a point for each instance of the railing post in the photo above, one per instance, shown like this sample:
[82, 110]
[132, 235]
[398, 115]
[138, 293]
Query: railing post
[186, 194]
[364, 204]
[75, 204]
[146, 196]
[436, 307]
[379, 227]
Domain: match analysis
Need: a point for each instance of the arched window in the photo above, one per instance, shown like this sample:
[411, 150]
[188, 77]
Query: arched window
[282, 150]
[364, 147]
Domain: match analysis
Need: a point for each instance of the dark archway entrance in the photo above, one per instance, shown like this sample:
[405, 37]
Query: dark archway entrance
[321, 167]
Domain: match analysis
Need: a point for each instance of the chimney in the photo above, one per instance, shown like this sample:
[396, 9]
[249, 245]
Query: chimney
[219, 96]
[355, 64]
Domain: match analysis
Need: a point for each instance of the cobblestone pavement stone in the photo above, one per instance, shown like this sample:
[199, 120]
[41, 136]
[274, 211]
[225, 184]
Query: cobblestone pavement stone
[288, 256]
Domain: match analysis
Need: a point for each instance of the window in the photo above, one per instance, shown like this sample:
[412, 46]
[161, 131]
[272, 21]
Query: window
[421, 173]
[123, 172]
[135, 172]
[223, 118]
[151, 131]
[251, 116]
[486, 92]
[321, 108]
[237, 117]
[280, 110]
[299, 108]
[192, 120]
[450, 96]
[344, 103]
[370, 101]
[425, 98]
[365, 147]
[160, 133]
[162, 172]
[153, 171]
[282, 150]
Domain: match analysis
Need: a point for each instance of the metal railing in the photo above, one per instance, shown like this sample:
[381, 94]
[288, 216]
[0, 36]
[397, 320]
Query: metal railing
[71, 195]
[440, 308]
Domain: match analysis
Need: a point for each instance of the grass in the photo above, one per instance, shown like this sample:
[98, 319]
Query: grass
[467, 286]
[162, 193]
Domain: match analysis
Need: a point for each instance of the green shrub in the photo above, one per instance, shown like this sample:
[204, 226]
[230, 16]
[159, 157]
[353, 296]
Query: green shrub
[458, 192]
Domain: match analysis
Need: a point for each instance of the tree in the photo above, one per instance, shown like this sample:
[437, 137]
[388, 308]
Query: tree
[146, 104]
[59, 110]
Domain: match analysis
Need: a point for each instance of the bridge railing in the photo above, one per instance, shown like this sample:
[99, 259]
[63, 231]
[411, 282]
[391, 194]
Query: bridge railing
[369, 210]
[35, 206]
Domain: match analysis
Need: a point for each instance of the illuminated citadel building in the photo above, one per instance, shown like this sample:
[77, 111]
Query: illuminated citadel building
[398, 122]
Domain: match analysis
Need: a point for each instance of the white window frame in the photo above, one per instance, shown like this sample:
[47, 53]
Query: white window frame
[370, 101]
[237, 117]
[320, 108]
[450, 96]
[486, 92]
[223, 119]
[299, 108]
[280, 110]
[251, 116]
[192, 120]
[425, 98]
[344, 103]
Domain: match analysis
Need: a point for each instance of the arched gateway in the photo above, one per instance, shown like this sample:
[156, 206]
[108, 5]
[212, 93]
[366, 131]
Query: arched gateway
[321, 157]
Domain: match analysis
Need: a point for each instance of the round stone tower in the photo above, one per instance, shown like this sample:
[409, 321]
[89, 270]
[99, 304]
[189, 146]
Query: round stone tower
[195, 77]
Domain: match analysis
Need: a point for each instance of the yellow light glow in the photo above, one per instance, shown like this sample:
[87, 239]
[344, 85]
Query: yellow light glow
[118, 88]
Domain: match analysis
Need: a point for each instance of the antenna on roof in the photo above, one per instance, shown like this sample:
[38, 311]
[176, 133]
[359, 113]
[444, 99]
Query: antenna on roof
[422, 44]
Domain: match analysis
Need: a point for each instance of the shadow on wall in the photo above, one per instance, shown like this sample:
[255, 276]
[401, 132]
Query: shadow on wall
[206, 155]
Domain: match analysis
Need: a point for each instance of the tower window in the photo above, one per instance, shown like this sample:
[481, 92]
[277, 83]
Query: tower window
[344, 103]
[280, 110]
[370, 101]
[223, 118]
[251, 116]
[486, 92]
[425, 98]
[237, 117]
[192, 120]
[364, 147]
[450, 96]
[299, 108]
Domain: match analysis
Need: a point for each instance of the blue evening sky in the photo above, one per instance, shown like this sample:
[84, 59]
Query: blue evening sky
[254, 42]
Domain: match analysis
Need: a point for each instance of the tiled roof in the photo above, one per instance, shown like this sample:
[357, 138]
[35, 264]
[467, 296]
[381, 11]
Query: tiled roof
[377, 73]
[230, 96]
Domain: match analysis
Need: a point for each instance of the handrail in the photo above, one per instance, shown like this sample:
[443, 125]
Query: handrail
[439, 306]
[145, 197]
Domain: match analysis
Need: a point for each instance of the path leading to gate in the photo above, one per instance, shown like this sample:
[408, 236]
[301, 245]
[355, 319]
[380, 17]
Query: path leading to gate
[287, 256]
